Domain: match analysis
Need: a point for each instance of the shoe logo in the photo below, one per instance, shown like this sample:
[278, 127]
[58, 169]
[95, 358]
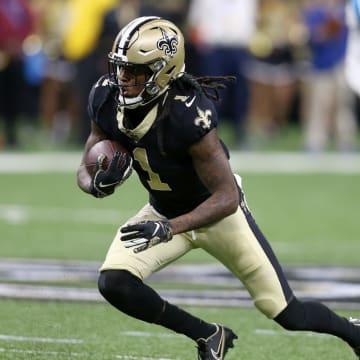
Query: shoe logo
[101, 185]
[189, 103]
[215, 355]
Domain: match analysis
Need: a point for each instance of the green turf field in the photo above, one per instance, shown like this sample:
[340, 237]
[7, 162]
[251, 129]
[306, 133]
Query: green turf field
[308, 218]
[63, 331]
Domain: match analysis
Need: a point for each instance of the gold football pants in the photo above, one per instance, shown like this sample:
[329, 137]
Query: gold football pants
[235, 241]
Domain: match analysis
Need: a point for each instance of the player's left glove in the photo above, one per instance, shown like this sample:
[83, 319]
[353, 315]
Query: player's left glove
[146, 234]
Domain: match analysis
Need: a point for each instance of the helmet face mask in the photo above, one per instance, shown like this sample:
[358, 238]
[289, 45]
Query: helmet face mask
[150, 51]
[141, 81]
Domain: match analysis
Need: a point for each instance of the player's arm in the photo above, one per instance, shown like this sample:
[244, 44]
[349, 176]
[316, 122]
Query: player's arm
[83, 177]
[213, 168]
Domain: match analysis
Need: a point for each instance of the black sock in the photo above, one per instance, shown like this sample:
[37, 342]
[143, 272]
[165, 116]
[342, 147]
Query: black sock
[182, 322]
[314, 316]
[131, 296]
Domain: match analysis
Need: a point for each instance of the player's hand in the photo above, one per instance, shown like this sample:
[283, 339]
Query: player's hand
[146, 234]
[104, 181]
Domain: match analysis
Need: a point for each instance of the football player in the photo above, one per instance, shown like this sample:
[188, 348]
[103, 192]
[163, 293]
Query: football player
[167, 121]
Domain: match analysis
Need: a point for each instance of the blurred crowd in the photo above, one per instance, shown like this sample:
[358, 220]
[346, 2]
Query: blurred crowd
[288, 57]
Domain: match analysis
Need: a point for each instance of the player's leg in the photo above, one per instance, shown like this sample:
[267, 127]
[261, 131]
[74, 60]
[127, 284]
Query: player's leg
[130, 295]
[314, 316]
[240, 245]
[121, 283]
[297, 314]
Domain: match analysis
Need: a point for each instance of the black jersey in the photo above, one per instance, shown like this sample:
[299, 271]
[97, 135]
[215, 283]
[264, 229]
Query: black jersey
[160, 149]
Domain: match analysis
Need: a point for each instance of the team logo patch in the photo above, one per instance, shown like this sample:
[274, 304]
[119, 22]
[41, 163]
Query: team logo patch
[203, 118]
[168, 43]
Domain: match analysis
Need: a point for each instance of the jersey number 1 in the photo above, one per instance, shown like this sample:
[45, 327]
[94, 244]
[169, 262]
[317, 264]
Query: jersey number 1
[154, 179]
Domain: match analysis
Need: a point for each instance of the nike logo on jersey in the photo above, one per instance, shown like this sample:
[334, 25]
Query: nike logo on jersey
[185, 99]
[189, 103]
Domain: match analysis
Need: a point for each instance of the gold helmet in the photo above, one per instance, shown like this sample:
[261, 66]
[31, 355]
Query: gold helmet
[152, 45]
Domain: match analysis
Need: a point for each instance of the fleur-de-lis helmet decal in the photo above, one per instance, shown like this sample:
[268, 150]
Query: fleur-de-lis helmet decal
[168, 43]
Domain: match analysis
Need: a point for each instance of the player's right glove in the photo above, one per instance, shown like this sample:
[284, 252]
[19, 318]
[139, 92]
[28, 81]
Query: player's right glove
[146, 234]
[104, 181]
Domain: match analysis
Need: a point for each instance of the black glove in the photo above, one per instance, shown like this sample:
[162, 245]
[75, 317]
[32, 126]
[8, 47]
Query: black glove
[104, 182]
[146, 234]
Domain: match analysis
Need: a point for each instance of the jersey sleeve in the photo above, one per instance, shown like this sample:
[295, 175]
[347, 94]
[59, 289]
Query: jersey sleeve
[195, 115]
[97, 97]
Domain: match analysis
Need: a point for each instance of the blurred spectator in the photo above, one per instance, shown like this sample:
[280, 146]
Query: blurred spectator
[79, 36]
[328, 101]
[82, 47]
[71, 31]
[176, 12]
[276, 49]
[220, 31]
[58, 105]
[114, 20]
[352, 60]
[16, 24]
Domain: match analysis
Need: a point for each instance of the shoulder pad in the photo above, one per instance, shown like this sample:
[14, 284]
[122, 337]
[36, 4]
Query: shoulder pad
[98, 95]
[194, 114]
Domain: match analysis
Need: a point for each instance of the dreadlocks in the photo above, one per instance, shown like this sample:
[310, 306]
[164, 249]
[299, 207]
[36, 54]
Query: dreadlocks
[210, 86]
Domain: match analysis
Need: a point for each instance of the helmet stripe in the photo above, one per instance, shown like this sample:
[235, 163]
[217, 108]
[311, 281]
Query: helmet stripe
[129, 31]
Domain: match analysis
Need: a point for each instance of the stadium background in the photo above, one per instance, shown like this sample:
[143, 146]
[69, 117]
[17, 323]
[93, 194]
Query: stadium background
[53, 237]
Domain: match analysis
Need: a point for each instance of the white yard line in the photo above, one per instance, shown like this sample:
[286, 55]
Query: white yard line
[148, 334]
[270, 332]
[42, 352]
[39, 162]
[39, 339]
[49, 293]
[4, 337]
[257, 162]
[130, 357]
[295, 162]
[19, 213]
[76, 354]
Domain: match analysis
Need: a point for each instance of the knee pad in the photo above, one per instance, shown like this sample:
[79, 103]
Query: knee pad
[130, 295]
[117, 286]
